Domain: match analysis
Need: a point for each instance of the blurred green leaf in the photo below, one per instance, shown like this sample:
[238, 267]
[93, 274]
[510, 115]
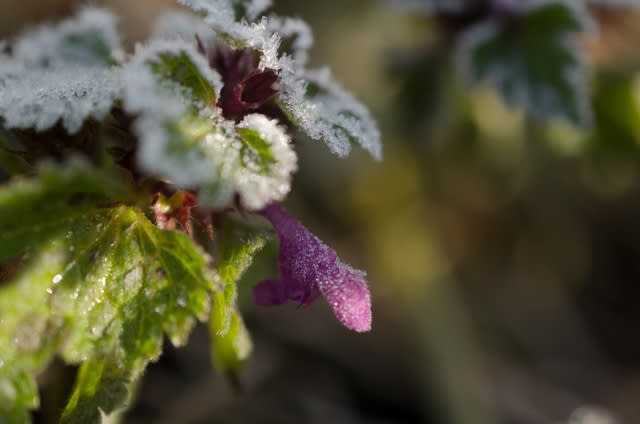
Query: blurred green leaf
[87, 38]
[101, 386]
[422, 83]
[233, 348]
[617, 116]
[237, 245]
[532, 60]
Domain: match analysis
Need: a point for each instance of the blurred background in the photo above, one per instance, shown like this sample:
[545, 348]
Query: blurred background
[503, 253]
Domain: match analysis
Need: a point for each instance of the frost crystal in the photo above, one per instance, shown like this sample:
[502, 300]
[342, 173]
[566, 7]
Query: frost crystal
[296, 33]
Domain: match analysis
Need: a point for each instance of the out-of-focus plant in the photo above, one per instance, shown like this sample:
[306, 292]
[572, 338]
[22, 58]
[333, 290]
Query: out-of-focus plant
[135, 190]
[534, 53]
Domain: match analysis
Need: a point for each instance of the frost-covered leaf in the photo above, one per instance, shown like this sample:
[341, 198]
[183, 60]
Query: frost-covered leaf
[237, 244]
[253, 159]
[167, 70]
[189, 144]
[325, 111]
[265, 161]
[40, 97]
[61, 73]
[89, 38]
[106, 285]
[532, 59]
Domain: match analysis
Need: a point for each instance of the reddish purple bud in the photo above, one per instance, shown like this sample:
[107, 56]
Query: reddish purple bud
[245, 87]
[257, 88]
[308, 268]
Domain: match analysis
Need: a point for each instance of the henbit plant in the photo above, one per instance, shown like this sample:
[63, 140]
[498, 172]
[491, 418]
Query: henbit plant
[136, 187]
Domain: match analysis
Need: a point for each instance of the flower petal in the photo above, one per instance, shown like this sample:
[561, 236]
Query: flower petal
[349, 298]
[269, 293]
[309, 267]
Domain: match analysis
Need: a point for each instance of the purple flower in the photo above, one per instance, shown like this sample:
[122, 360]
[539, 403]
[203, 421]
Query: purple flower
[309, 268]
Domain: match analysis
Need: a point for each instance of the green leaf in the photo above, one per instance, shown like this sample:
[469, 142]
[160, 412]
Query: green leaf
[107, 283]
[33, 210]
[532, 60]
[237, 244]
